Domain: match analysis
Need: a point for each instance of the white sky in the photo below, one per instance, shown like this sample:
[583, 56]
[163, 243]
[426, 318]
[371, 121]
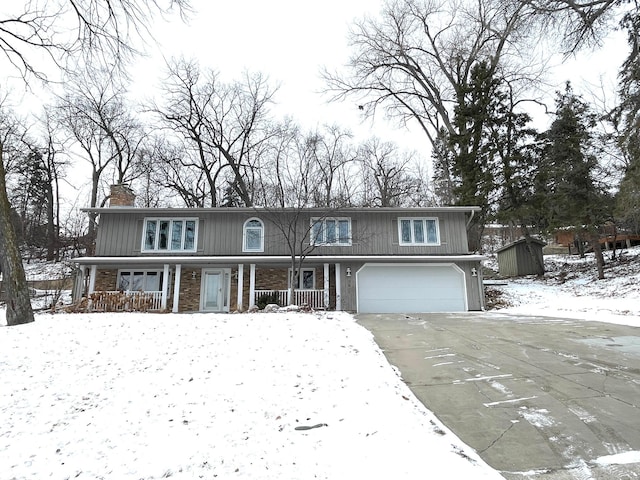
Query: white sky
[290, 41]
[287, 40]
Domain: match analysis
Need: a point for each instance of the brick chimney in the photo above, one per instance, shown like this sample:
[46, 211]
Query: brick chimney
[121, 196]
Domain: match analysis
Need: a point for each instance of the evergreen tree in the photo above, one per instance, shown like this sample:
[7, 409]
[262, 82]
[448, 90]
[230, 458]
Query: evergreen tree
[513, 145]
[443, 179]
[627, 117]
[628, 197]
[472, 163]
[569, 194]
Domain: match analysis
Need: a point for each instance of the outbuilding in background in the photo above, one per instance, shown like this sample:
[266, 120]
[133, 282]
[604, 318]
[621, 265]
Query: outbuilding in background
[522, 257]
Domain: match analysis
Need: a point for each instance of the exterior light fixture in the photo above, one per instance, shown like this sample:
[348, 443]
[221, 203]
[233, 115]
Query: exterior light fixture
[348, 271]
[193, 274]
[474, 272]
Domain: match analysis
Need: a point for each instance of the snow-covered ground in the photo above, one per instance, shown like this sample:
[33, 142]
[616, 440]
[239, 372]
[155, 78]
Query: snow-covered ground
[263, 396]
[256, 396]
[570, 289]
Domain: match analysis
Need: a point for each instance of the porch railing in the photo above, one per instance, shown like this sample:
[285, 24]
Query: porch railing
[108, 301]
[313, 298]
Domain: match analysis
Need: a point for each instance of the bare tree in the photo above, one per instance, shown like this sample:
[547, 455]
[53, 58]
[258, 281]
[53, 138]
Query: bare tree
[95, 113]
[13, 277]
[416, 63]
[62, 30]
[387, 174]
[54, 168]
[581, 23]
[292, 186]
[102, 30]
[223, 126]
[331, 153]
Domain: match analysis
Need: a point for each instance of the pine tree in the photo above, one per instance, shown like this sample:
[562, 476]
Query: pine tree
[568, 192]
[627, 116]
[472, 157]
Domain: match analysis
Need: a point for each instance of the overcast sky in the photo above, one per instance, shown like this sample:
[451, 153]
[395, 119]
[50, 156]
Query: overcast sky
[288, 40]
[291, 40]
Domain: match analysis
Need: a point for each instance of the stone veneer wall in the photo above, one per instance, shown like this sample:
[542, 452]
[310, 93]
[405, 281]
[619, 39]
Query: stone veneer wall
[266, 279]
[189, 290]
[106, 280]
[121, 196]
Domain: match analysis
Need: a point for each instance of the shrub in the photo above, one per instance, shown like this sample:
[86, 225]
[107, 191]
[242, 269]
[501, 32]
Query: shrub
[265, 299]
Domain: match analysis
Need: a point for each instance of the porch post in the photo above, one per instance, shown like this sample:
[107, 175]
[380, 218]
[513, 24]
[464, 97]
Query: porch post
[338, 288]
[165, 287]
[252, 285]
[78, 284]
[92, 278]
[240, 285]
[176, 288]
[326, 285]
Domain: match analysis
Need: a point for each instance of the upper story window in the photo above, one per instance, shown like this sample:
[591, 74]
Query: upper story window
[169, 234]
[253, 236]
[418, 231]
[331, 231]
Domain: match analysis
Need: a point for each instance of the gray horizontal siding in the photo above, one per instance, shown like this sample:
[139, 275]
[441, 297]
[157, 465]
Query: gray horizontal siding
[220, 233]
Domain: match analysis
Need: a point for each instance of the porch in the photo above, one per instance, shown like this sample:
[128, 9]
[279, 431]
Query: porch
[117, 301]
[198, 286]
[315, 299]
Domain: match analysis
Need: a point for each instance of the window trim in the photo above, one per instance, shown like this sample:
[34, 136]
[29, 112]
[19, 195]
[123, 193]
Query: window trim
[323, 229]
[245, 227]
[424, 221]
[183, 234]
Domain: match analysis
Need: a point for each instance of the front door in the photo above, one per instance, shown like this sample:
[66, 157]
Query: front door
[213, 291]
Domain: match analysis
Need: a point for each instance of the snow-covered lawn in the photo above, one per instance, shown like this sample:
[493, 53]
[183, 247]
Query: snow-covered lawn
[570, 289]
[150, 396]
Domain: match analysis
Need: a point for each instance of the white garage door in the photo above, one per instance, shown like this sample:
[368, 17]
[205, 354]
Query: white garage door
[410, 289]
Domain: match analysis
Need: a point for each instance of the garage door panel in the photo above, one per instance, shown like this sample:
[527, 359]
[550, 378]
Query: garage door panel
[410, 289]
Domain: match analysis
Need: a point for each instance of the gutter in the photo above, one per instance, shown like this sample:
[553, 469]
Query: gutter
[194, 260]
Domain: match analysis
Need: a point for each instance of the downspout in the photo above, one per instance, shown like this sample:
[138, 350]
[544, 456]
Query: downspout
[473, 214]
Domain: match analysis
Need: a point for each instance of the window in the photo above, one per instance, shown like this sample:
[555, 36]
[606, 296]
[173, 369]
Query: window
[418, 231]
[168, 234]
[253, 236]
[305, 281]
[140, 280]
[331, 231]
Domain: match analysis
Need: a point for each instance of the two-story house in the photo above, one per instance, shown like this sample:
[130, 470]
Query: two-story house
[376, 260]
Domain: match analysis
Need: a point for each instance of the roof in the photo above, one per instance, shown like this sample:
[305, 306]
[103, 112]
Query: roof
[521, 241]
[254, 210]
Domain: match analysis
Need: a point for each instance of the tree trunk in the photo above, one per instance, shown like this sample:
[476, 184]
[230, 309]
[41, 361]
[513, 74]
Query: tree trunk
[594, 239]
[14, 281]
[51, 225]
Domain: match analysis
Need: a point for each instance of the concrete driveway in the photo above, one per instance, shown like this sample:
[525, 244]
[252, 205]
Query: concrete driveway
[541, 399]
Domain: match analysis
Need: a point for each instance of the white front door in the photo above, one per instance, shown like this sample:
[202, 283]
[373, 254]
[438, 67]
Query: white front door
[213, 292]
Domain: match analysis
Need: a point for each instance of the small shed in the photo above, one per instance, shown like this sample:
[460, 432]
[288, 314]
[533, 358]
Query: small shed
[516, 259]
